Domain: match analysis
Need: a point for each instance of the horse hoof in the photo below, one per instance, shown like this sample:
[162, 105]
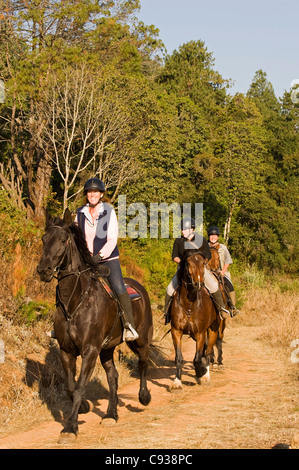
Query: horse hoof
[145, 398]
[108, 422]
[86, 407]
[67, 438]
[205, 381]
[203, 375]
[177, 385]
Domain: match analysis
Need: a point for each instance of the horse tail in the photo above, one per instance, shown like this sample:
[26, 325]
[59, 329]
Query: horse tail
[156, 354]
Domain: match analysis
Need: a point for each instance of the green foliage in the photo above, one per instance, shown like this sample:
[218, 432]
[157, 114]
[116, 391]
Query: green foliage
[169, 132]
[154, 257]
[31, 311]
[14, 226]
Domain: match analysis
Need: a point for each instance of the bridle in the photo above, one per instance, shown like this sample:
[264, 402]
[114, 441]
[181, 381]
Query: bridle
[190, 281]
[77, 273]
[57, 268]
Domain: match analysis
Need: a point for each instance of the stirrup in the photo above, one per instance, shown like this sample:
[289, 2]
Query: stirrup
[51, 334]
[234, 312]
[129, 333]
[224, 314]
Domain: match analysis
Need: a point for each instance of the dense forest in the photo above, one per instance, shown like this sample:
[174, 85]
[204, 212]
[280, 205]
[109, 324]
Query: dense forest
[90, 90]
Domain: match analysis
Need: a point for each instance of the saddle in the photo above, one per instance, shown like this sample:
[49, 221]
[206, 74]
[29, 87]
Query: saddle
[133, 294]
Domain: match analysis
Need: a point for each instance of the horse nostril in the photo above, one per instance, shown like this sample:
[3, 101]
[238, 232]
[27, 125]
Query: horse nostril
[41, 269]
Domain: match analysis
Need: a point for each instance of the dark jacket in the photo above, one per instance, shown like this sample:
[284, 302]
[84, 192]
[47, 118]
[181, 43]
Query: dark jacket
[181, 246]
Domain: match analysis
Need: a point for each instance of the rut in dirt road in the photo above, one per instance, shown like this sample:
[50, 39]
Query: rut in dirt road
[252, 403]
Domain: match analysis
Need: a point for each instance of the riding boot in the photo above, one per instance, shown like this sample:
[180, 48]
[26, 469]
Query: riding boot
[233, 310]
[168, 299]
[218, 299]
[130, 334]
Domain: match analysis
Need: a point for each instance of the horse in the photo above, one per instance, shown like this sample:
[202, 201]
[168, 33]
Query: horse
[87, 321]
[214, 262]
[214, 265]
[193, 313]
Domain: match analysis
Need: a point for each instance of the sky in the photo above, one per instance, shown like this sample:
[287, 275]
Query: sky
[244, 36]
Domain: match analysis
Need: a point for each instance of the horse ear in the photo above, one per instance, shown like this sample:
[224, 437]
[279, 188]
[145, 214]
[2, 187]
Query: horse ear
[67, 217]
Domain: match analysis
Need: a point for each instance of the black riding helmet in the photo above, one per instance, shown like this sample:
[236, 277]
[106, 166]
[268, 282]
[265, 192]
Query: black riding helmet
[187, 223]
[94, 183]
[213, 231]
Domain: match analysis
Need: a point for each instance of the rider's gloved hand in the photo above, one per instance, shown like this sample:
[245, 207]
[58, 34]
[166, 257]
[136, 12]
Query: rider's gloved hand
[97, 258]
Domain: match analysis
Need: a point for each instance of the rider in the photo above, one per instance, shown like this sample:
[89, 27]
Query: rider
[225, 261]
[98, 222]
[190, 241]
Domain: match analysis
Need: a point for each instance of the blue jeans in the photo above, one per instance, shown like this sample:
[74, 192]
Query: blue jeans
[115, 277]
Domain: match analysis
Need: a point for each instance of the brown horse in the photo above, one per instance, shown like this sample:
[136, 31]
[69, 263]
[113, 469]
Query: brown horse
[193, 313]
[214, 262]
[214, 265]
[86, 321]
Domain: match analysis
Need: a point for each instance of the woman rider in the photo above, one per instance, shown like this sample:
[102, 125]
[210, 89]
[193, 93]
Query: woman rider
[98, 222]
[225, 261]
[189, 241]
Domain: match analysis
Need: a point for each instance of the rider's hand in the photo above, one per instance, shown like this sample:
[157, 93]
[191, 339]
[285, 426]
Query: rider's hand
[97, 258]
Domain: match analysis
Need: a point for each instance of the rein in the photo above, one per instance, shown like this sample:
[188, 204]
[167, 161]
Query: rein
[66, 307]
[189, 282]
[75, 273]
[78, 273]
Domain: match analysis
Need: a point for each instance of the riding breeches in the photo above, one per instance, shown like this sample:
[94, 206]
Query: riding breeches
[210, 283]
[115, 277]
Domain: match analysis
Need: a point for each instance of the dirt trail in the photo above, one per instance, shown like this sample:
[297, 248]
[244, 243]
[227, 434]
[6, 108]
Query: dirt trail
[252, 403]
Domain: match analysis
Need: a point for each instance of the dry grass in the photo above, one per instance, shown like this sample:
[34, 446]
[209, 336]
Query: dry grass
[275, 311]
[31, 379]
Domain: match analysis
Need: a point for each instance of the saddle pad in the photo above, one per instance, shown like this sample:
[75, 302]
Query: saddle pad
[133, 294]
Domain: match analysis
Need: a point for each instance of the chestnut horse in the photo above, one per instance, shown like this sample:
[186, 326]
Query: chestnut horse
[214, 265]
[86, 321]
[193, 313]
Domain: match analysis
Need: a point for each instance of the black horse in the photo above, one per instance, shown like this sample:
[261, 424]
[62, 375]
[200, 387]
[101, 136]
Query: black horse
[86, 321]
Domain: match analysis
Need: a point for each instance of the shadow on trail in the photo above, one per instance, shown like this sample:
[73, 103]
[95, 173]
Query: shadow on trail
[48, 377]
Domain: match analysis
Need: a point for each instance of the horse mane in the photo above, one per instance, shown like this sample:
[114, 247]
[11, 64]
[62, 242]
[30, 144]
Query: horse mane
[82, 246]
[79, 241]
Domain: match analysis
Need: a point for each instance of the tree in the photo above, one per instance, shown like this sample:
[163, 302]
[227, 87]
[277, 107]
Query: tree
[53, 36]
[86, 125]
[236, 166]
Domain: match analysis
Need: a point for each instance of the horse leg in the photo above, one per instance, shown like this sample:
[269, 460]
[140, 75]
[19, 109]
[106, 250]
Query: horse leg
[144, 393]
[179, 360]
[106, 356]
[219, 343]
[70, 429]
[143, 354]
[200, 367]
[69, 366]
[212, 338]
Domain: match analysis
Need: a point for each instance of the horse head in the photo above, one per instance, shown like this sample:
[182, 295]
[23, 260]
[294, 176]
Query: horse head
[214, 262]
[194, 269]
[56, 240]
